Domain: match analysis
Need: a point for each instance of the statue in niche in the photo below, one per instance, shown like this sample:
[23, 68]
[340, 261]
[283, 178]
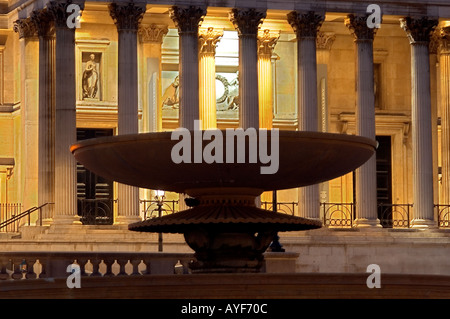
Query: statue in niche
[170, 96]
[90, 78]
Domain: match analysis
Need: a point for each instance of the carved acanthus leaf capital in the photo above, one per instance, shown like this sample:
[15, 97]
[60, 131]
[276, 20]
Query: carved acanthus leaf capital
[59, 12]
[418, 30]
[187, 19]
[444, 40]
[325, 40]
[266, 42]
[306, 24]
[247, 21]
[43, 21]
[127, 16]
[153, 33]
[25, 28]
[207, 41]
[357, 24]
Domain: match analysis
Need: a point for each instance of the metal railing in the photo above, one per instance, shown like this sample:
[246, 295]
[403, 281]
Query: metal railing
[282, 207]
[13, 219]
[338, 214]
[395, 215]
[443, 214]
[154, 208]
[96, 211]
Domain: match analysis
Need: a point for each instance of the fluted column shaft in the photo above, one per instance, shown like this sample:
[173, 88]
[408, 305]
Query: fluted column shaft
[127, 17]
[208, 40]
[187, 20]
[418, 31]
[27, 172]
[306, 26]
[444, 64]
[247, 22]
[266, 45]
[366, 181]
[46, 172]
[65, 117]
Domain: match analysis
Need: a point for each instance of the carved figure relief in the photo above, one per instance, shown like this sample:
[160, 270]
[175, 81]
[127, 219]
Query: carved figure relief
[170, 97]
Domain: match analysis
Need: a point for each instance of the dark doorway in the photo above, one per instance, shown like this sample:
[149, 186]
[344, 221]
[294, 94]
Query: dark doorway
[94, 193]
[384, 181]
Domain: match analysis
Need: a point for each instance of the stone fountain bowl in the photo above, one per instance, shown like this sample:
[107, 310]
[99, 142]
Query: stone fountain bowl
[144, 160]
[226, 230]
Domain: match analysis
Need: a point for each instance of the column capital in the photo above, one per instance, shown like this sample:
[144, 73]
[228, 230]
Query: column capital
[444, 40]
[247, 21]
[266, 42]
[127, 16]
[153, 33]
[25, 27]
[418, 30]
[207, 41]
[43, 21]
[58, 11]
[357, 24]
[325, 40]
[187, 19]
[306, 24]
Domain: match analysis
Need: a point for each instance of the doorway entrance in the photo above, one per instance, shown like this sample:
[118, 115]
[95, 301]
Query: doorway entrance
[94, 193]
[384, 181]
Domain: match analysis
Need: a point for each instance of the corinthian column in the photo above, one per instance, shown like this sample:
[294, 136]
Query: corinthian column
[246, 22]
[187, 20]
[418, 32]
[28, 111]
[46, 172]
[306, 26]
[366, 175]
[444, 64]
[65, 116]
[207, 42]
[127, 17]
[266, 43]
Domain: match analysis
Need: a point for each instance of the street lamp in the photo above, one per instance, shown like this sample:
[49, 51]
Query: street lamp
[159, 197]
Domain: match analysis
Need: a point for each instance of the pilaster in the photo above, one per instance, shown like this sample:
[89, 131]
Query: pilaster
[207, 42]
[266, 44]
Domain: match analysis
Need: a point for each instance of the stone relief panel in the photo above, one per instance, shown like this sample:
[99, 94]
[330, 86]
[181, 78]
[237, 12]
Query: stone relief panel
[227, 94]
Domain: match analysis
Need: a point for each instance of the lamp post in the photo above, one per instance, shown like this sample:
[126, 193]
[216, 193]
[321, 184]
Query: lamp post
[275, 246]
[160, 202]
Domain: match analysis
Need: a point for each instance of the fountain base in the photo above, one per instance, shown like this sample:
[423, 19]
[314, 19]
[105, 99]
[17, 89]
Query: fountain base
[228, 233]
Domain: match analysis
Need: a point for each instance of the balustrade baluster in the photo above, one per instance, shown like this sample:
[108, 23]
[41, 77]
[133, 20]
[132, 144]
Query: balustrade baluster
[95, 267]
[108, 262]
[30, 274]
[135, 263]
[3, 273]
[122, 263]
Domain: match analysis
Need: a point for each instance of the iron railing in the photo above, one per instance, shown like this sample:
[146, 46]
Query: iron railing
[395, 215]
[443, 214]
[96, 211]
[338, 214]
[12, 219]
[282, 207]
[154, 208]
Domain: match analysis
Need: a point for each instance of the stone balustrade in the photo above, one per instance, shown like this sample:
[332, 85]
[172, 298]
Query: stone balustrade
[42, 265]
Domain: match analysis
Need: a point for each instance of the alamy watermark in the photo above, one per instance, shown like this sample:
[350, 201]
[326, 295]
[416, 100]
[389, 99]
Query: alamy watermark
[235, 139]
[374, 19]
[73, 20]
[374, 279]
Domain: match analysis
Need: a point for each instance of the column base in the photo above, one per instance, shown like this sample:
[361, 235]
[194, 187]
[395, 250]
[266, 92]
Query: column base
[66, 220]
[367, 223]
[423, 224]
[126, 220]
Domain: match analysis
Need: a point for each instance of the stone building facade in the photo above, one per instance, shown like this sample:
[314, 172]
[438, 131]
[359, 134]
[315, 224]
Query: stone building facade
[132, 67]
